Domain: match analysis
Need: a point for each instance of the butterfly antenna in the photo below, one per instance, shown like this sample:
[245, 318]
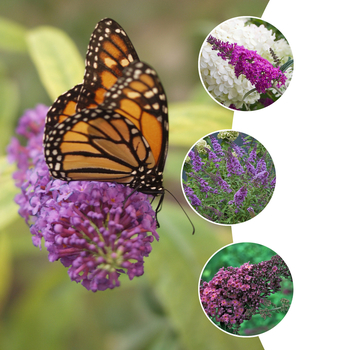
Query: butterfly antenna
[193, 228]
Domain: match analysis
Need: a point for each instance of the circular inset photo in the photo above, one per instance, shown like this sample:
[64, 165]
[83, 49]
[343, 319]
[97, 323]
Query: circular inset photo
[228, 177]
[245, 289]
[245, 64]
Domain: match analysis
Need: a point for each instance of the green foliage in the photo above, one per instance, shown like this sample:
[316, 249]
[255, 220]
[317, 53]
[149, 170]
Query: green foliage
[9, 97]
[57, 59]
[12, 36]
[187, 124]
[8, 208]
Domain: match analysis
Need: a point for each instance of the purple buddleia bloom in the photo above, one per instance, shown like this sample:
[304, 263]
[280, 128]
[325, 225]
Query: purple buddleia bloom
[259, 71]
[252, 155]
[240, 152]
[196, 160]
[233, 165]
[266, 101]
[261, 178]
[240, 196]
[251, 212]
[215, 211]
[194, 200]
[204, 186]
[261, 165]
[99, 230]
[214, 158]
[273, 183]
[216, 146]
[220, 182]
[250, 168]
[241, 291]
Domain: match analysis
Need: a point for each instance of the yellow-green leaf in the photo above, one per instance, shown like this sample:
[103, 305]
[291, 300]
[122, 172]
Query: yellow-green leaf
[8, 208]
[5, 268]
[191, 121]
[9, 98]
[56, 58]
[12, 36]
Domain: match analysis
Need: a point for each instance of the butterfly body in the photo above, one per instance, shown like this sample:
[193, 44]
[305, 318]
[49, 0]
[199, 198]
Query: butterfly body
[113, 126]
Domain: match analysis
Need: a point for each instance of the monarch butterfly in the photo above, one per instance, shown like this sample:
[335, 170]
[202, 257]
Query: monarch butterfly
[113, 126]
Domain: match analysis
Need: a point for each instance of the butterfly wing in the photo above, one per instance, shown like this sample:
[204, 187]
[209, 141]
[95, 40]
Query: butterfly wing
[125, 139]
[98, 145]
[109, 52]
[140, 97]
[62, 108]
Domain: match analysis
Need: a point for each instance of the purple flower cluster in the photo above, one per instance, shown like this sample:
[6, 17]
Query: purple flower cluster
[220, 182]
[214, 158]
[240, 195]
[242, 176]
[195, 201]
[204, 186]
[259, 71]
[97, 229]
[216, 146]
[252, 155]
[235, 294]
[233, 165]
[196, 160]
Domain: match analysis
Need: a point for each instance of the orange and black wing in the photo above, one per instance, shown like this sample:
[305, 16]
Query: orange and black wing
[109, 52]
[98, 145]
[62, 108]
[125, 139]
[139, 96]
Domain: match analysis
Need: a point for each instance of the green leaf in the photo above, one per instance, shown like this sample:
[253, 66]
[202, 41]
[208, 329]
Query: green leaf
[190, 121]
[56, 58]
[9, 99]
[8, 208]
[287, 65]
[12, 36]
[5, 268]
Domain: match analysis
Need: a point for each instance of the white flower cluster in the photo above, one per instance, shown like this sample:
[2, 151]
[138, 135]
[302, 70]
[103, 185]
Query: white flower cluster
[219, 77]
[201, 145]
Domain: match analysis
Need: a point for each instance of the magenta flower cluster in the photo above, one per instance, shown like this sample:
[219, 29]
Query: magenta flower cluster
[259, 71]
[235, 294]
[97, 229]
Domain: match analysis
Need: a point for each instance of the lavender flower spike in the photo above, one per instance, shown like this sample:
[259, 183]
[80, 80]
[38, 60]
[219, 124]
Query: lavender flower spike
[240, 195]
[86, 225]
[196, 160]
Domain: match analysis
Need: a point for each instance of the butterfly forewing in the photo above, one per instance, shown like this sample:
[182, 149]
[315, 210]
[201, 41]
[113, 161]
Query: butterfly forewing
[139, 96]
[63, 107]
[114, 126]
[109, 52]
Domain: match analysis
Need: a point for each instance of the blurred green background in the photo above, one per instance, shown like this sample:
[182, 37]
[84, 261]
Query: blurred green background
[39, 307]
[236, 255]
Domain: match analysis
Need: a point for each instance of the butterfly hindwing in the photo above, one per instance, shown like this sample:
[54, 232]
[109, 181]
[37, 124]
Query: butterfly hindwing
[109, 52]
[98, 145]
